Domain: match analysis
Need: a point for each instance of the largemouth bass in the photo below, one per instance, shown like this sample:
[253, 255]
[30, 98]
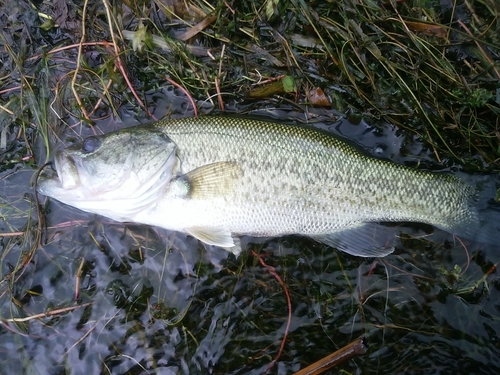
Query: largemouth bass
[216, 177]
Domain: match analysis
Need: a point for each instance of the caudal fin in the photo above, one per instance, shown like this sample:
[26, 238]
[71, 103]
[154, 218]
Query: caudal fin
[486, 228]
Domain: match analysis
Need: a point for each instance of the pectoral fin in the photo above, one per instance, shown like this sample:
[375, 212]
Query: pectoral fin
[212, 180]
[365, 240]
[217, 237]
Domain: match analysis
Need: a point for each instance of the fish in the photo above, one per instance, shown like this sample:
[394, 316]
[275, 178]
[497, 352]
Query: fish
[220, 178]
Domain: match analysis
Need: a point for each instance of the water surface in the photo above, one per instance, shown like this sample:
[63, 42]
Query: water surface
[150, 301]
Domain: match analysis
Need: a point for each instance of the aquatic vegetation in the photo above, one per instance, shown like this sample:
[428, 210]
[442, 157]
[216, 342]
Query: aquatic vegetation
[418, 81]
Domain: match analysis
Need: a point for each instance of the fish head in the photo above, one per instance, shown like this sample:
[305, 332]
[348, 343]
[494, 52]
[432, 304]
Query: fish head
[116, 175]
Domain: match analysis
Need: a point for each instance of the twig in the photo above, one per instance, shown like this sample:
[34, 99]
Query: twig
[219, 97]
[229, 7]
[81, 338]
[10, 89]
[48, 313]
[119, 63]
[78, 279]
[78, 61]
[217, 84]
[6, 110]
[9, 328]
[12, 234]
[171, 81]
[273, 272]
[351, 350]
[64, 48]
[466, 253]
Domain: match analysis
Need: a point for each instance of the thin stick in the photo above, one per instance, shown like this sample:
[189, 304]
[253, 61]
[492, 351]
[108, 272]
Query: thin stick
[466, 253]
[351, 350]
[10, 89]
[78, 61]
[81, 338]
[64, 48]
[219, 97]
[195, 110]
[78, 279]
[48, 313]
[217, 83]
[12, 234]
[273, 272]
[119, 63]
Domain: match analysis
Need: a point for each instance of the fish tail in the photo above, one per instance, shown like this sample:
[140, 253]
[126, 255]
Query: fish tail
[479, 220]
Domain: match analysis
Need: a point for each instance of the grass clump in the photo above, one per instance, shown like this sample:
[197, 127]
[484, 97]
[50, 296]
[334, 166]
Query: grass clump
[431, 68]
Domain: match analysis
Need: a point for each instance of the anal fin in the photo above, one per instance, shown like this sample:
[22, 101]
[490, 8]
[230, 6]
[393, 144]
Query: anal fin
[365, 240]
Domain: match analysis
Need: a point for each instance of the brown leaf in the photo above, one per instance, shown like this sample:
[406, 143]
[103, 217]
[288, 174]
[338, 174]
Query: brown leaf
[197, 28]
[317, 97]
[427, 28]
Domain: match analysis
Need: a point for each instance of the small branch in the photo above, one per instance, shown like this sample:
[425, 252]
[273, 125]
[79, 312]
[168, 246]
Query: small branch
[78, 62]
[47, 314]
[273, 272]
[78, 279]
[118, 60]
[354, 349]
[195, 110]
[12, 234]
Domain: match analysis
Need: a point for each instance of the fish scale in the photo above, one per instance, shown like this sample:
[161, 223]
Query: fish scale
[333, 184]
[237, 176]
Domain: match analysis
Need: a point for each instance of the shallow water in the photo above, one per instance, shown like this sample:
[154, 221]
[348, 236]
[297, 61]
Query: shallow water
[157, 302]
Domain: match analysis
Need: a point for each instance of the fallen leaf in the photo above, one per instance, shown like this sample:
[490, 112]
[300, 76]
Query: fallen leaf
[285, 85]
[289, 84]
[197, 28]
[427, 28]
[317, 97]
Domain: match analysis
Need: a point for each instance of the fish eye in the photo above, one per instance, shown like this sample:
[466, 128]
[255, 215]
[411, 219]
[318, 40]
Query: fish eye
[91, 144]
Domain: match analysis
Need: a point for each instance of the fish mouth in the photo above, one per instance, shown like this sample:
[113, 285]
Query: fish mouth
[63, 175]
[67, 170]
